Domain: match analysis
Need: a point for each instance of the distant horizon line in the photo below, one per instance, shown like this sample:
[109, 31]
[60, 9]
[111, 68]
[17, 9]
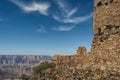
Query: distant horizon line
[23, 55]
[35, 53]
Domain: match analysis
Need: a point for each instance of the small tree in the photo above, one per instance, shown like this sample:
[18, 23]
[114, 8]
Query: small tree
[43, 66]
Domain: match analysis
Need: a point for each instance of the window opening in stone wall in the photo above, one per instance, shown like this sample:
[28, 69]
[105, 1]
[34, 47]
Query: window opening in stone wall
[99, 4]
[111, 1]
[106, 3]
[117, 27]
[99, 31]
[108, 27]
[101, 39]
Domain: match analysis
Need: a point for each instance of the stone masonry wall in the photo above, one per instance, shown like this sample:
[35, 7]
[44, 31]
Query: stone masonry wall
[106, 27]
[73, 60]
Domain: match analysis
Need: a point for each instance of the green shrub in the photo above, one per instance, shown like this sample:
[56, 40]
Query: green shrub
[43, 66]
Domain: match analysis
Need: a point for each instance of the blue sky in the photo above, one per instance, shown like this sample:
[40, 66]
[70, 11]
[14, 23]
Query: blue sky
[45, 27]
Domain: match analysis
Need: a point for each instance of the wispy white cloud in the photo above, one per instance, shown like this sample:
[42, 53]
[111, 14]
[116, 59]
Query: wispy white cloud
[41, 29]
[71, 12]
[78, 19]
[63, 28]
[68, 14]
[56, 17]
[65, 8]
[74, 20]
[42, 8]
[62, 6]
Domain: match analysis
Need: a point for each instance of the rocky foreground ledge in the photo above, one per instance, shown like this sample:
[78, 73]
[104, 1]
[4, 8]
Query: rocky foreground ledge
[81, 74]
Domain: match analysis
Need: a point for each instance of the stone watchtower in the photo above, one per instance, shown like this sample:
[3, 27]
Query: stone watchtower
[106, 26]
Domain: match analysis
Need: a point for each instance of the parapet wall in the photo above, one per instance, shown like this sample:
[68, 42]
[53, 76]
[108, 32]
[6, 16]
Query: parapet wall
[72, 61]
[85, 60]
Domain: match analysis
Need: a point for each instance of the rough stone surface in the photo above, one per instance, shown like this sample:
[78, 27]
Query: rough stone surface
[80, 74]
[106, 27]
[81, 50]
